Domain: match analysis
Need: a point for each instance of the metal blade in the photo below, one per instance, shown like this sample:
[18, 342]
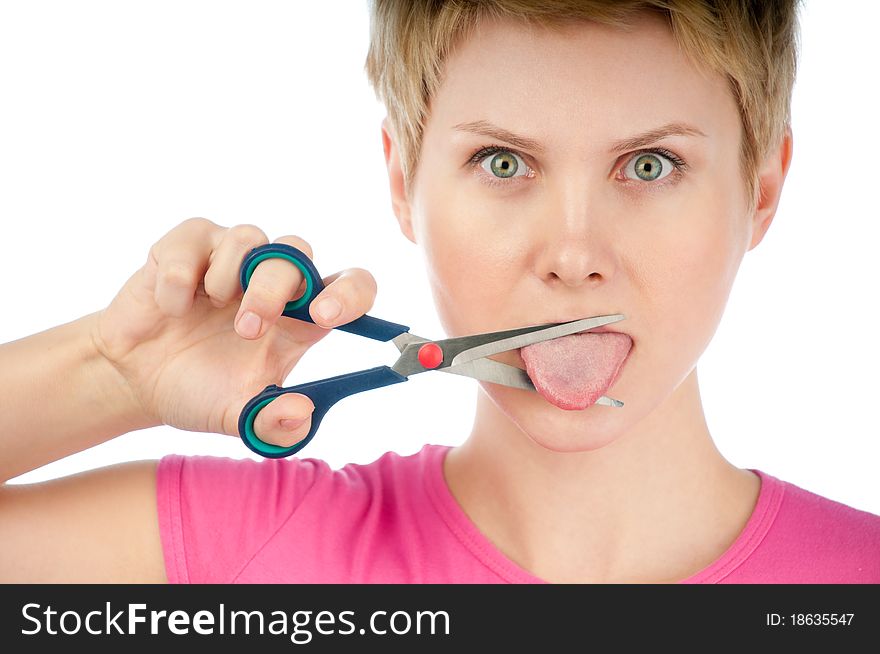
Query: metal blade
[410, 345]
[608, 401]
[533, 336]
[501, 373]
[404, 339]
[493, 371]
[482, 369]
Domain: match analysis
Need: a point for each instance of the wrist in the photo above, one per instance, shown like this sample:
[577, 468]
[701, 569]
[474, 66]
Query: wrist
[111, 388]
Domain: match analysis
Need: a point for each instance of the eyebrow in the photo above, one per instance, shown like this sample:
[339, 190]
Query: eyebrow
[485, 128]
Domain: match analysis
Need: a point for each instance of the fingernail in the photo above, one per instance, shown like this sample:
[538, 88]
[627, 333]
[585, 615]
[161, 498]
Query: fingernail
[291, 424]
[249, 324]
[328, 308]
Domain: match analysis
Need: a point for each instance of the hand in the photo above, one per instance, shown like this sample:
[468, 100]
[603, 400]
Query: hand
[193, 357]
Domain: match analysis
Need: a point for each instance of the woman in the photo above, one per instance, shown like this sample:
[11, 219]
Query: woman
[574, 159]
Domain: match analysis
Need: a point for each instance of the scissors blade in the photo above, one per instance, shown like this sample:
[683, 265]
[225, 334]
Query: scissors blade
[410, 345]
[404, 339]
[500, 342]
[501, 373]
[493, 371]
[486, 344]
[462, 349]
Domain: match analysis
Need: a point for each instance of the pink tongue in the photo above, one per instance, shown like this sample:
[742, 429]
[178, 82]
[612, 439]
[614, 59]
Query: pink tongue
[572, 372]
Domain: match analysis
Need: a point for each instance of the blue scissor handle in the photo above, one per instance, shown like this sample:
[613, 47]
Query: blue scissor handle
[323, 393]
[367, 326]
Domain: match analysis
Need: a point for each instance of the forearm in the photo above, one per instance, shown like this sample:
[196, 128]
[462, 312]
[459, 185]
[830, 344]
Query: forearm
[59, 396]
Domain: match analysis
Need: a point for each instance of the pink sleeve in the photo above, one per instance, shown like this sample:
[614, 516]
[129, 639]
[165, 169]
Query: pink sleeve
[215, 513]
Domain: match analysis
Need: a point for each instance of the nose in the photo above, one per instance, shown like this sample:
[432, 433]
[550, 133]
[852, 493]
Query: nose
[574, 248]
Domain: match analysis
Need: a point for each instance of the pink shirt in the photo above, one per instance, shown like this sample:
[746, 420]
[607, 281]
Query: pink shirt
[394, 520]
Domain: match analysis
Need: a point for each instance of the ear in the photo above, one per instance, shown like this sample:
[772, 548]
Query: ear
[399, 201]
[771, 177]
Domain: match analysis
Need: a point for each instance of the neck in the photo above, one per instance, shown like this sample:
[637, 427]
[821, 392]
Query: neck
[657, 504]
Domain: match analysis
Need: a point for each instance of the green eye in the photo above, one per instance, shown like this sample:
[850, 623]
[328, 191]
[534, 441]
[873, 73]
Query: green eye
[504, 164]
[648, 167]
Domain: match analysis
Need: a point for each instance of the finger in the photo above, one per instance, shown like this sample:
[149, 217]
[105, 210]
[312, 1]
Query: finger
[181, 258]
[222, 282]
[273, 284]
[348, 295]
[285, 421]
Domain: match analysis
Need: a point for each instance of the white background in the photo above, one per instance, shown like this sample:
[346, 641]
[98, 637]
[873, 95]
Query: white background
[118, 120]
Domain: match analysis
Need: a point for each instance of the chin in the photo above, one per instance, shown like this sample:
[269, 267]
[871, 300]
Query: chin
[555, 429]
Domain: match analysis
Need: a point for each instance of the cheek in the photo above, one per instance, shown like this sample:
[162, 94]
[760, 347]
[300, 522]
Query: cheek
[687, 272]
[471, 268]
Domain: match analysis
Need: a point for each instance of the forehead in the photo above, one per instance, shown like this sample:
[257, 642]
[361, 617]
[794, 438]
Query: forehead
[581, 80]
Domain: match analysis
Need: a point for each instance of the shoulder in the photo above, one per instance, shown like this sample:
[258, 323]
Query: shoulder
[203, 500]
[276, 487]
[391, 477]
[214, 512]
[839, 543]
[826, 517]
[218, 475]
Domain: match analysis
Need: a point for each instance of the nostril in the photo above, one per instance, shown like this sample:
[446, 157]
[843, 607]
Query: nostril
[555, 278]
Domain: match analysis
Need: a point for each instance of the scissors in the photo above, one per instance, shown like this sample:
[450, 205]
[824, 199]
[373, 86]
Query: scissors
[464, 355]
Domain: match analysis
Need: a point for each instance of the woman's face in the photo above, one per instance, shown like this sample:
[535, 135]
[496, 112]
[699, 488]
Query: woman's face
[576, 224]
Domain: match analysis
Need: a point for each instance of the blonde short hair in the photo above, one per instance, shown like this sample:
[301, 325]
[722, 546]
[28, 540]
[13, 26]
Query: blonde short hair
[754, 43]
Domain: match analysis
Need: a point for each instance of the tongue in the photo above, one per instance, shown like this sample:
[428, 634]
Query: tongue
[572, 372]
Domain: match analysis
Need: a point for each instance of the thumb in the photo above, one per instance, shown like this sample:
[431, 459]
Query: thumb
[285, 421]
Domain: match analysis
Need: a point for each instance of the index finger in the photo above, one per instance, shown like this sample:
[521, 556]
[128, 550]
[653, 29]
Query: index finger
[177, 262]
